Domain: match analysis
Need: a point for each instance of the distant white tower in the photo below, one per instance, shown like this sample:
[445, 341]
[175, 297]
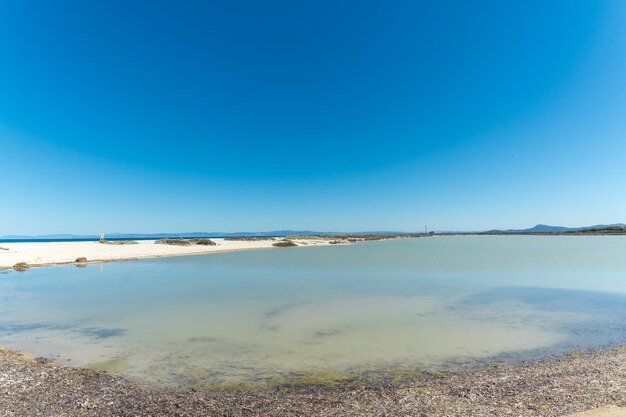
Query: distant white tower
[426, 229]
[101, 235]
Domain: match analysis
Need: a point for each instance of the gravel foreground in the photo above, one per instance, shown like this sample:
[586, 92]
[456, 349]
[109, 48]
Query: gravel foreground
[580, 381]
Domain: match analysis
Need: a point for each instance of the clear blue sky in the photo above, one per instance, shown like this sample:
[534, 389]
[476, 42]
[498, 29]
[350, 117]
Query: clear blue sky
[150, 116]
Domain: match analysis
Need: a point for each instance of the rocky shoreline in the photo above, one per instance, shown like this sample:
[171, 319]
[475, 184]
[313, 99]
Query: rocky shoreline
[579, 381]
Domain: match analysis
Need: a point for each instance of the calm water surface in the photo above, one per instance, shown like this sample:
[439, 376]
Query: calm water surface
[407, 304]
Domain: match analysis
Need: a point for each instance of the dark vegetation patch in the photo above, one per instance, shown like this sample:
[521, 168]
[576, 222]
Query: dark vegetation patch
[102, 333]
[315, 380]
[185, 242]
[593, 231]
[204, 242]
[284, 244]
[175, 242]
[21, 266]
[81, 260]
[24, 327]
[611, 230]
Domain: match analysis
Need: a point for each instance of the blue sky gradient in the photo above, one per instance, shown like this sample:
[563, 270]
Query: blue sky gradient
[152, 116]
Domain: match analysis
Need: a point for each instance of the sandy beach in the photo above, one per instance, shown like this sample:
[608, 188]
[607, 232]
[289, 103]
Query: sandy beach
[37, 254]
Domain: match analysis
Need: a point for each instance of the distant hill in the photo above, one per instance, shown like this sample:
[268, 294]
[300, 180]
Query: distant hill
[543, 228]
[616, 228]
[272, 233]
[546, 229]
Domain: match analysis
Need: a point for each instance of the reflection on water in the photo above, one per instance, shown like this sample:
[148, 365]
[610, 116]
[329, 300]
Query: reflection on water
[252, 315]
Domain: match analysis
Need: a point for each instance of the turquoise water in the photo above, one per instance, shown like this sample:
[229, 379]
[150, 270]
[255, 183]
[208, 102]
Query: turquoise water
[252, 315]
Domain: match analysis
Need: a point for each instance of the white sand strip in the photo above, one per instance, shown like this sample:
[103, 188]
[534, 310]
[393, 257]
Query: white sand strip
[56, 253]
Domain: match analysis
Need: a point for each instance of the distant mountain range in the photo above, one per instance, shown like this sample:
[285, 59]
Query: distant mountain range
[544, 228]
[540, 228]
[114, 236]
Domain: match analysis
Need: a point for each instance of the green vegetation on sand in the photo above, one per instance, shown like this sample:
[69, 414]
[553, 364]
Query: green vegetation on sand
[284, 244]
[21, 266]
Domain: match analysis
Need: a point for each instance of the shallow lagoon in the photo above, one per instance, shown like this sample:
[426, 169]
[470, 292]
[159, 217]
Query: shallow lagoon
[369, 307]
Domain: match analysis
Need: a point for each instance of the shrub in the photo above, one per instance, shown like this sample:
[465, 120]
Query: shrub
[205, 242]
[81, 260]
[284, 244]
[21, 266]
[176, 242]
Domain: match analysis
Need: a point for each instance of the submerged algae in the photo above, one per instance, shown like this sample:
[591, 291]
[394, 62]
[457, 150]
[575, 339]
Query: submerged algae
[114, 366]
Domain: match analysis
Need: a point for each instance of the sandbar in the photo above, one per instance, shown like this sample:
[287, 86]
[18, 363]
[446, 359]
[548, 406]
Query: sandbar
[37, 254]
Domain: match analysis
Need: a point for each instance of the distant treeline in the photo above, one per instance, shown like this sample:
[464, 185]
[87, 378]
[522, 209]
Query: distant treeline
[609, 230]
